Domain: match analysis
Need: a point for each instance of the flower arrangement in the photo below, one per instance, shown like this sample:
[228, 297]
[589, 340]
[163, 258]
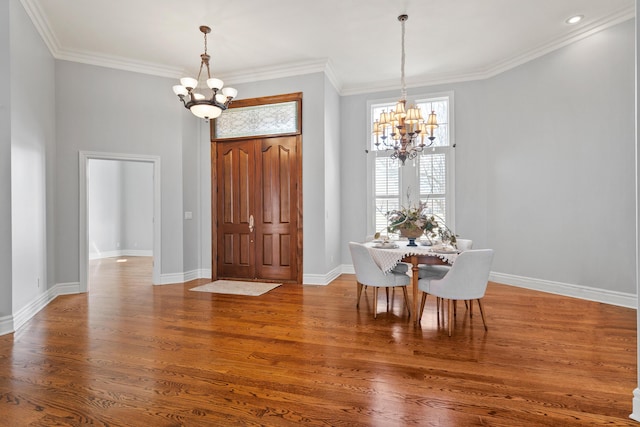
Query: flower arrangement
[412, 219]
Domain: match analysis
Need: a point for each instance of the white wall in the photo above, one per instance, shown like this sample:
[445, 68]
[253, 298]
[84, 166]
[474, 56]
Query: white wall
[32, 139]
[120, 208]
[544, 165]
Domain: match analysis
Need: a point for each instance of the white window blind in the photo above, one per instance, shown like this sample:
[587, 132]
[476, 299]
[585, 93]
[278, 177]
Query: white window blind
[429, 177]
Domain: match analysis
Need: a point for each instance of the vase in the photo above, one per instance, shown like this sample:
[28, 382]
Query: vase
[412, 234]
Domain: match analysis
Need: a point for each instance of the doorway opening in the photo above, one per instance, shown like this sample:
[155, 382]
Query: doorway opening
[119, 210]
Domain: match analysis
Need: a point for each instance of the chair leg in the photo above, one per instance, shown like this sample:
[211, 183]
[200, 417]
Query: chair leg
[455, 307]
[360, 286]
[482, 314]
[375, 302]
[406, 299]
[470, 308]
[450, 315]
[387, 291]
[422, 304]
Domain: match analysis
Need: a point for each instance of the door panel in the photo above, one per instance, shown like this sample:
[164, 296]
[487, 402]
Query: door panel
[235, 166]
[258, 177]
[275, 227]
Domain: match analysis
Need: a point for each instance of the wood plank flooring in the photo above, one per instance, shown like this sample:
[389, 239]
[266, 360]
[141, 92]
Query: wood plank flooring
[132, 354]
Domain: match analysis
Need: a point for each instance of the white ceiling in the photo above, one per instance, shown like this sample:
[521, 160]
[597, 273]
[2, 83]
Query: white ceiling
[357, 42]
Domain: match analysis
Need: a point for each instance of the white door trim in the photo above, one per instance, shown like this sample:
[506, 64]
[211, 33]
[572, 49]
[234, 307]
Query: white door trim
[83, 253]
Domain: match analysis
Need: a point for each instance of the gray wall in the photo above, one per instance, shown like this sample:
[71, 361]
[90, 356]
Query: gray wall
[32, 144]
[137, 194]
[5, 168]
[191, 190]
[120, 208]
[104, 206]
[315, 199]
[126, 113]
[561, 175]
[544, 164]
[332, 185]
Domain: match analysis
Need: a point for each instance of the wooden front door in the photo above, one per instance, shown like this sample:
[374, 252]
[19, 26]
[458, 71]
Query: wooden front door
[257, 208]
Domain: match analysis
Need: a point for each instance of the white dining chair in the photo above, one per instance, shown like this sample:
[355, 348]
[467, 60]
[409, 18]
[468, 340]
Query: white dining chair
[466, 280]
[369, 274]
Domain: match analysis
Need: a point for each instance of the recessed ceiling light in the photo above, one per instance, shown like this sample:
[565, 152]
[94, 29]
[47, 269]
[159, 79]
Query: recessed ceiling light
[574, 19]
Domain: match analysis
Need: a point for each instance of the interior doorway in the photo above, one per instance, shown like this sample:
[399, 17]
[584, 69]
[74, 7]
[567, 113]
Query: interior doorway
[121, 220]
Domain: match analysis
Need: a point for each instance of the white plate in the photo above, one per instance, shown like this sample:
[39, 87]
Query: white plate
[445, 251]
[385, 246]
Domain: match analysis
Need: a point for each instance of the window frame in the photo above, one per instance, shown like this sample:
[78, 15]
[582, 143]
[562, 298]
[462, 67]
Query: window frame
[408, 175]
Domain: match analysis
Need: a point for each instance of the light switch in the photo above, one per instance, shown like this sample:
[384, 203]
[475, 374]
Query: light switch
[188, 215]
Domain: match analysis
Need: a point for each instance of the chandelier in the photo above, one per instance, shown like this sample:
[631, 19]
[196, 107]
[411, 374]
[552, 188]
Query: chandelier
[403, 130]
[204, 106]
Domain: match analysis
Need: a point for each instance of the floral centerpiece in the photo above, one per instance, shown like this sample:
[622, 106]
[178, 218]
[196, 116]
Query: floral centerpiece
[412, 222]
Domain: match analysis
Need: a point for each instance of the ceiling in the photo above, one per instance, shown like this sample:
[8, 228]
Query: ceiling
[356, 42]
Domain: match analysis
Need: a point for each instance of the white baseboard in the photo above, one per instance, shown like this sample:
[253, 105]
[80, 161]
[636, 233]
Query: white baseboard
[636, 405]
[66, 288]
[171, 278]
[121, 252]
[322, 279]
[567, 289]
[347, 269]
[31, 309]
[6, 325]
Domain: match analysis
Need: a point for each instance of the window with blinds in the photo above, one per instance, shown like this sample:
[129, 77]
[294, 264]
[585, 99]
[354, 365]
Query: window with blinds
[427, 178]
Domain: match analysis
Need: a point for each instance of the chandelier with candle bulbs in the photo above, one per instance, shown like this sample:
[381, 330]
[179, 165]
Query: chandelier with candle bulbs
[204, 102]
[404, 130]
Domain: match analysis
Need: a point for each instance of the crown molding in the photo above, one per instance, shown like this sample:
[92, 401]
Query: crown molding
[508, 64]
[324, 65]
[42, 25]
[595, 27]
[120, 63]
[279, 71]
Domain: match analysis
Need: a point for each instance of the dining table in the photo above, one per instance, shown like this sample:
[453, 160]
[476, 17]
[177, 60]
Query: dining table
[388, 255]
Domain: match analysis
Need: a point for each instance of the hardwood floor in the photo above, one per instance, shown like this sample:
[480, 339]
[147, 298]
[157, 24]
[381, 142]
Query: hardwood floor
[132, 354]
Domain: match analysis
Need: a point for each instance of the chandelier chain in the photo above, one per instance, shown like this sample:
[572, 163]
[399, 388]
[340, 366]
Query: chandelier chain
[402, 58]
